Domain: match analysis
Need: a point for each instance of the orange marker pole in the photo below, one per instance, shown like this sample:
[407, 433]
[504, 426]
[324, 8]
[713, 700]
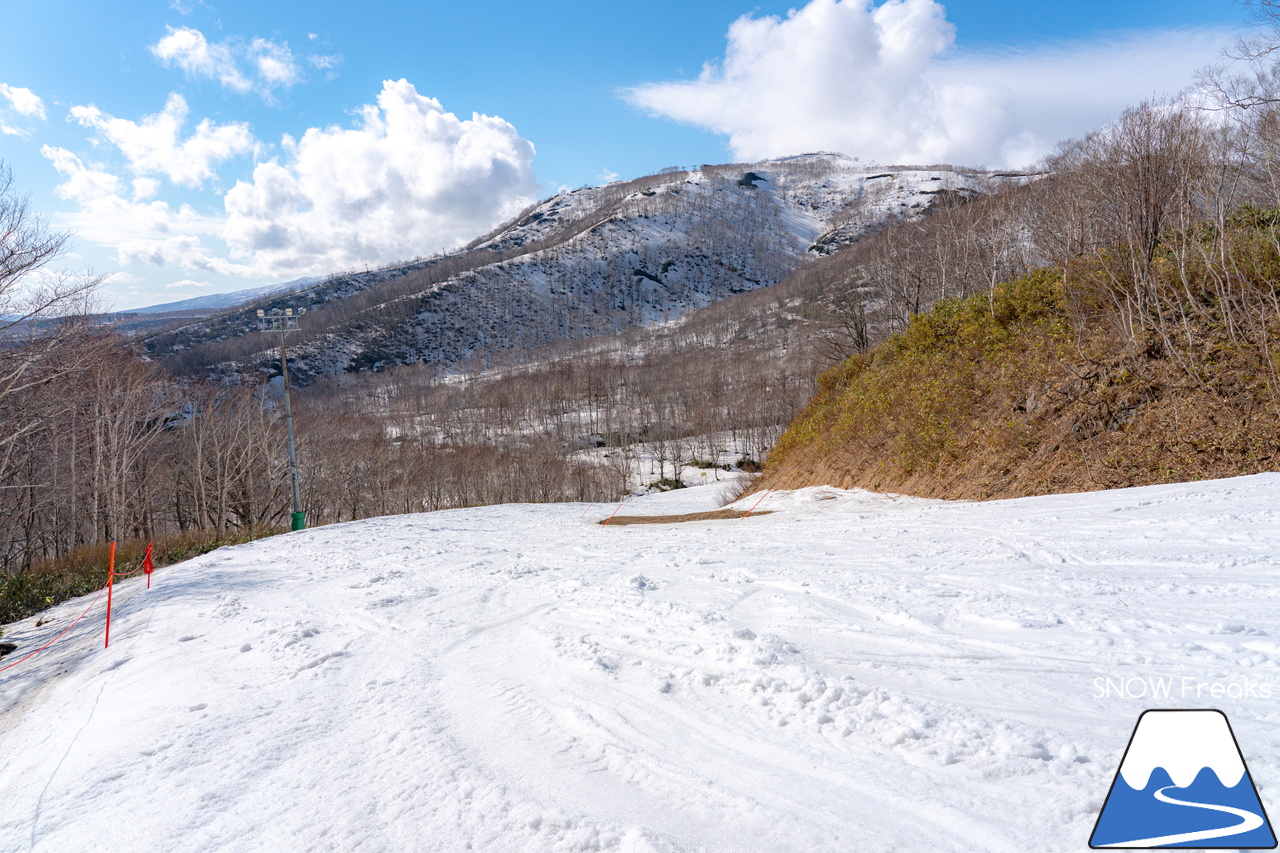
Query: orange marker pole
[762, 497]
[612, 514]
[111, 582]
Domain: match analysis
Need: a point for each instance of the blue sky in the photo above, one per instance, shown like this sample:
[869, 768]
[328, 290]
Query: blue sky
[197, 147]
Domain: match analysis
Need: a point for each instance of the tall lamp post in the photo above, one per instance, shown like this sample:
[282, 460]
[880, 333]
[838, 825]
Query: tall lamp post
[284, 322]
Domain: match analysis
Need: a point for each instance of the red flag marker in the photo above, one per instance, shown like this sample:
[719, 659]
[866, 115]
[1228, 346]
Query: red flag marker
[148, 566]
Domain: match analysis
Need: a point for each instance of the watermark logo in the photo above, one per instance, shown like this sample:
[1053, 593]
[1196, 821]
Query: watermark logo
[1183, 783]
[1165, 687]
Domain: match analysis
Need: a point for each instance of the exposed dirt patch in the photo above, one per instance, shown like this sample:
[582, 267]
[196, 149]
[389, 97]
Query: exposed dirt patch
[674, 519]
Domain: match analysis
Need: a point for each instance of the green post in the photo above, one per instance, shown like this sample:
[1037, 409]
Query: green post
[299, 520]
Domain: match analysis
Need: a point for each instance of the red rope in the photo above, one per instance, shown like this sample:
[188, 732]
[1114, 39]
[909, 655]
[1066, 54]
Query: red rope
[142, 564]
[60, 636]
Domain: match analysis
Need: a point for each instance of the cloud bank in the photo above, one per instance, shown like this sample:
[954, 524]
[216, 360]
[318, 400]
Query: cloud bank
[407, 179]
[153, 145]
[884, 83]
[258, 65]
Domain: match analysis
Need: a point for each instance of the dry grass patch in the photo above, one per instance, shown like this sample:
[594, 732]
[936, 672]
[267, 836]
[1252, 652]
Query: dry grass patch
[711, 515]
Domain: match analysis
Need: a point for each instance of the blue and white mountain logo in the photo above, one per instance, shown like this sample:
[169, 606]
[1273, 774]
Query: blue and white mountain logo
[1183, 783]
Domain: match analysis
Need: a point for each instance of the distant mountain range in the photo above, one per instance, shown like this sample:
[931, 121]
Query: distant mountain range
[226, 300]
[594, 261]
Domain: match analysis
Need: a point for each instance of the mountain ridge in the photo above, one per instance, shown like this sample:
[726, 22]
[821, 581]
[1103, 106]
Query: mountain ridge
[593, 261]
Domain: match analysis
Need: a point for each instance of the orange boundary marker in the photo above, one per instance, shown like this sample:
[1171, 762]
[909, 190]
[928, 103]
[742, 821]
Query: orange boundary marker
[111, 582]
[145, 565]
[762, 497]
[111, 578]
[605, 523]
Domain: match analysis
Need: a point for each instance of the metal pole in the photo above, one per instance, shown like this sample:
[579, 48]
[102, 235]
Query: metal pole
[299, 517]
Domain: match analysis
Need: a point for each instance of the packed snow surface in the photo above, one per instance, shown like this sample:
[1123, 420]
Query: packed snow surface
[851, 671]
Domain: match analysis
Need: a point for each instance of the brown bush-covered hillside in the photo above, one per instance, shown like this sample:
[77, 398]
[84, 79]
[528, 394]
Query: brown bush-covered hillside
[1138, 344]
[988, 401]
[1037, 388]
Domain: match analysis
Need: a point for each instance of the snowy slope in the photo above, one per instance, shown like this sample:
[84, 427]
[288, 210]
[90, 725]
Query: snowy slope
[850, 672]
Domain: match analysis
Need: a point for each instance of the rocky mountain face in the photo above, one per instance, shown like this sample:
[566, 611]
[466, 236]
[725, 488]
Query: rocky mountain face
[592, 261]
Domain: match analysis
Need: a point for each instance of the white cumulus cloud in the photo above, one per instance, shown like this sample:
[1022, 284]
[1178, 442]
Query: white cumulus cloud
[883, 82]
[406, 178]
[258, 65]
[274, 63]
[188, 49]
[155, 145]
[23, 101]
[409, 178]
[183, 250]
[80, 182]
[142, 231]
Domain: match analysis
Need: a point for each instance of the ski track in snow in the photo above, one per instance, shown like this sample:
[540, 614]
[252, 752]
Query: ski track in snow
[850, 672]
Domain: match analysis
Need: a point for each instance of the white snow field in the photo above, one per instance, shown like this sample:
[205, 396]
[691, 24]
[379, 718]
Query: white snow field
[850, 672]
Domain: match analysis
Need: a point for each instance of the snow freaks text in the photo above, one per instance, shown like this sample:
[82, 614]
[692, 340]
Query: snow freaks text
[1184, 687]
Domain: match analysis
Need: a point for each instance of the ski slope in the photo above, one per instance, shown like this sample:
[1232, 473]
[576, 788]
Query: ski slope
[851, 671]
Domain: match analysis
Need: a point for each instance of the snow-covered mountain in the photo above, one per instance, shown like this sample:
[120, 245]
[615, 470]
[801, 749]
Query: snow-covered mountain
[228, 300]
[597, 260]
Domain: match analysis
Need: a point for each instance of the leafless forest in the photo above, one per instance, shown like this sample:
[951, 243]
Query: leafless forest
[105, 444]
